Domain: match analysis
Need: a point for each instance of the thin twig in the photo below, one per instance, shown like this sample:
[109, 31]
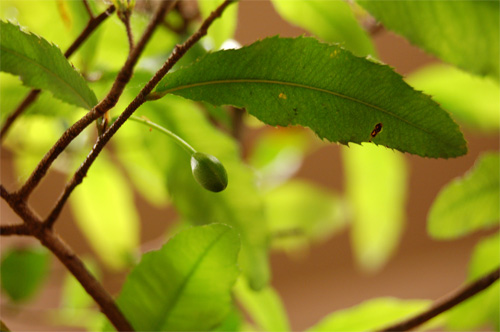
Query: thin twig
[33, 94]
[87, 7]
[91, 26]
[176, 54]
[21, 229]
[130, 35]
[439, 307]
[30, 97]
[107, 103]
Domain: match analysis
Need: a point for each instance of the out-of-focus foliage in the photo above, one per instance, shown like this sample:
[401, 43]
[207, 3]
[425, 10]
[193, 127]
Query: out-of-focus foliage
[222, 29]
[473, 101]
[186, 285]
[104, 209]
[77, 308]
[300, 213]
[463, 33]
[264, 307]
[330, 21]
[23, 272]
[469, 203]
[483, 308]
[277, 155]
[376, 184]
[371, 315]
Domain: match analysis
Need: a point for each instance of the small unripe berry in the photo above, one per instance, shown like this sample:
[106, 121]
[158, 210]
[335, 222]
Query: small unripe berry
[209, 172]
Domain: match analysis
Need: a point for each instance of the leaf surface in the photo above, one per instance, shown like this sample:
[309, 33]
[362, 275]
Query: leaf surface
[463, 33]
[339, 96]
[23, 272]
[41, 65]
[330, 21]
[371, 315]
[376, 184]
[186, 285]
[469, 203]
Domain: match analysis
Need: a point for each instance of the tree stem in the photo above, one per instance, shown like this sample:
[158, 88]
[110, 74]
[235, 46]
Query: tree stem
[439, 307]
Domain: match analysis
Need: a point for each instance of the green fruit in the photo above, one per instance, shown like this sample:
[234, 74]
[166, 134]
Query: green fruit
[209, 172]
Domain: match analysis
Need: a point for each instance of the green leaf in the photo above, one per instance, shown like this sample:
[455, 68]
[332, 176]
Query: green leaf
[186, 285]
[484, 307]
[239, 205]
[304, 210]
[330, 21]
[376, 184]
[473, 101]
[463, 33]
[41, 65]
[104, 209]
[23, 272]
[264, 307]
[469, 203]
[223, 28]
[340, 97]
[371, 315]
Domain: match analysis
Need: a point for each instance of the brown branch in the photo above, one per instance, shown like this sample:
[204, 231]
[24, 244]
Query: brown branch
[52, 241]
[439, 307]
[107, 103]
[21, 229]
[87, 8]
[92, 24]
[86, 279]
[176, 54]
[30, 97]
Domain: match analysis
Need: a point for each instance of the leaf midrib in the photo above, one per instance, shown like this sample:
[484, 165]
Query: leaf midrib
[65, 83]
[298, 85]
[167, 310]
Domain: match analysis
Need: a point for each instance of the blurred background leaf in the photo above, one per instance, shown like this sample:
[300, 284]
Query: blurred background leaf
[105, 212]
[277, 154]
[463, 33]
[23, 271]
[469, 203]
[484, 308]
[376, 187]
[301, 213]
[223, 28]
[330, 21]
[371, 315]
[473, 101]
[264, 307]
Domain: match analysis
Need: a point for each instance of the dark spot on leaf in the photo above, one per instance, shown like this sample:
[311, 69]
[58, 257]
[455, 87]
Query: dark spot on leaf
[375, 131]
